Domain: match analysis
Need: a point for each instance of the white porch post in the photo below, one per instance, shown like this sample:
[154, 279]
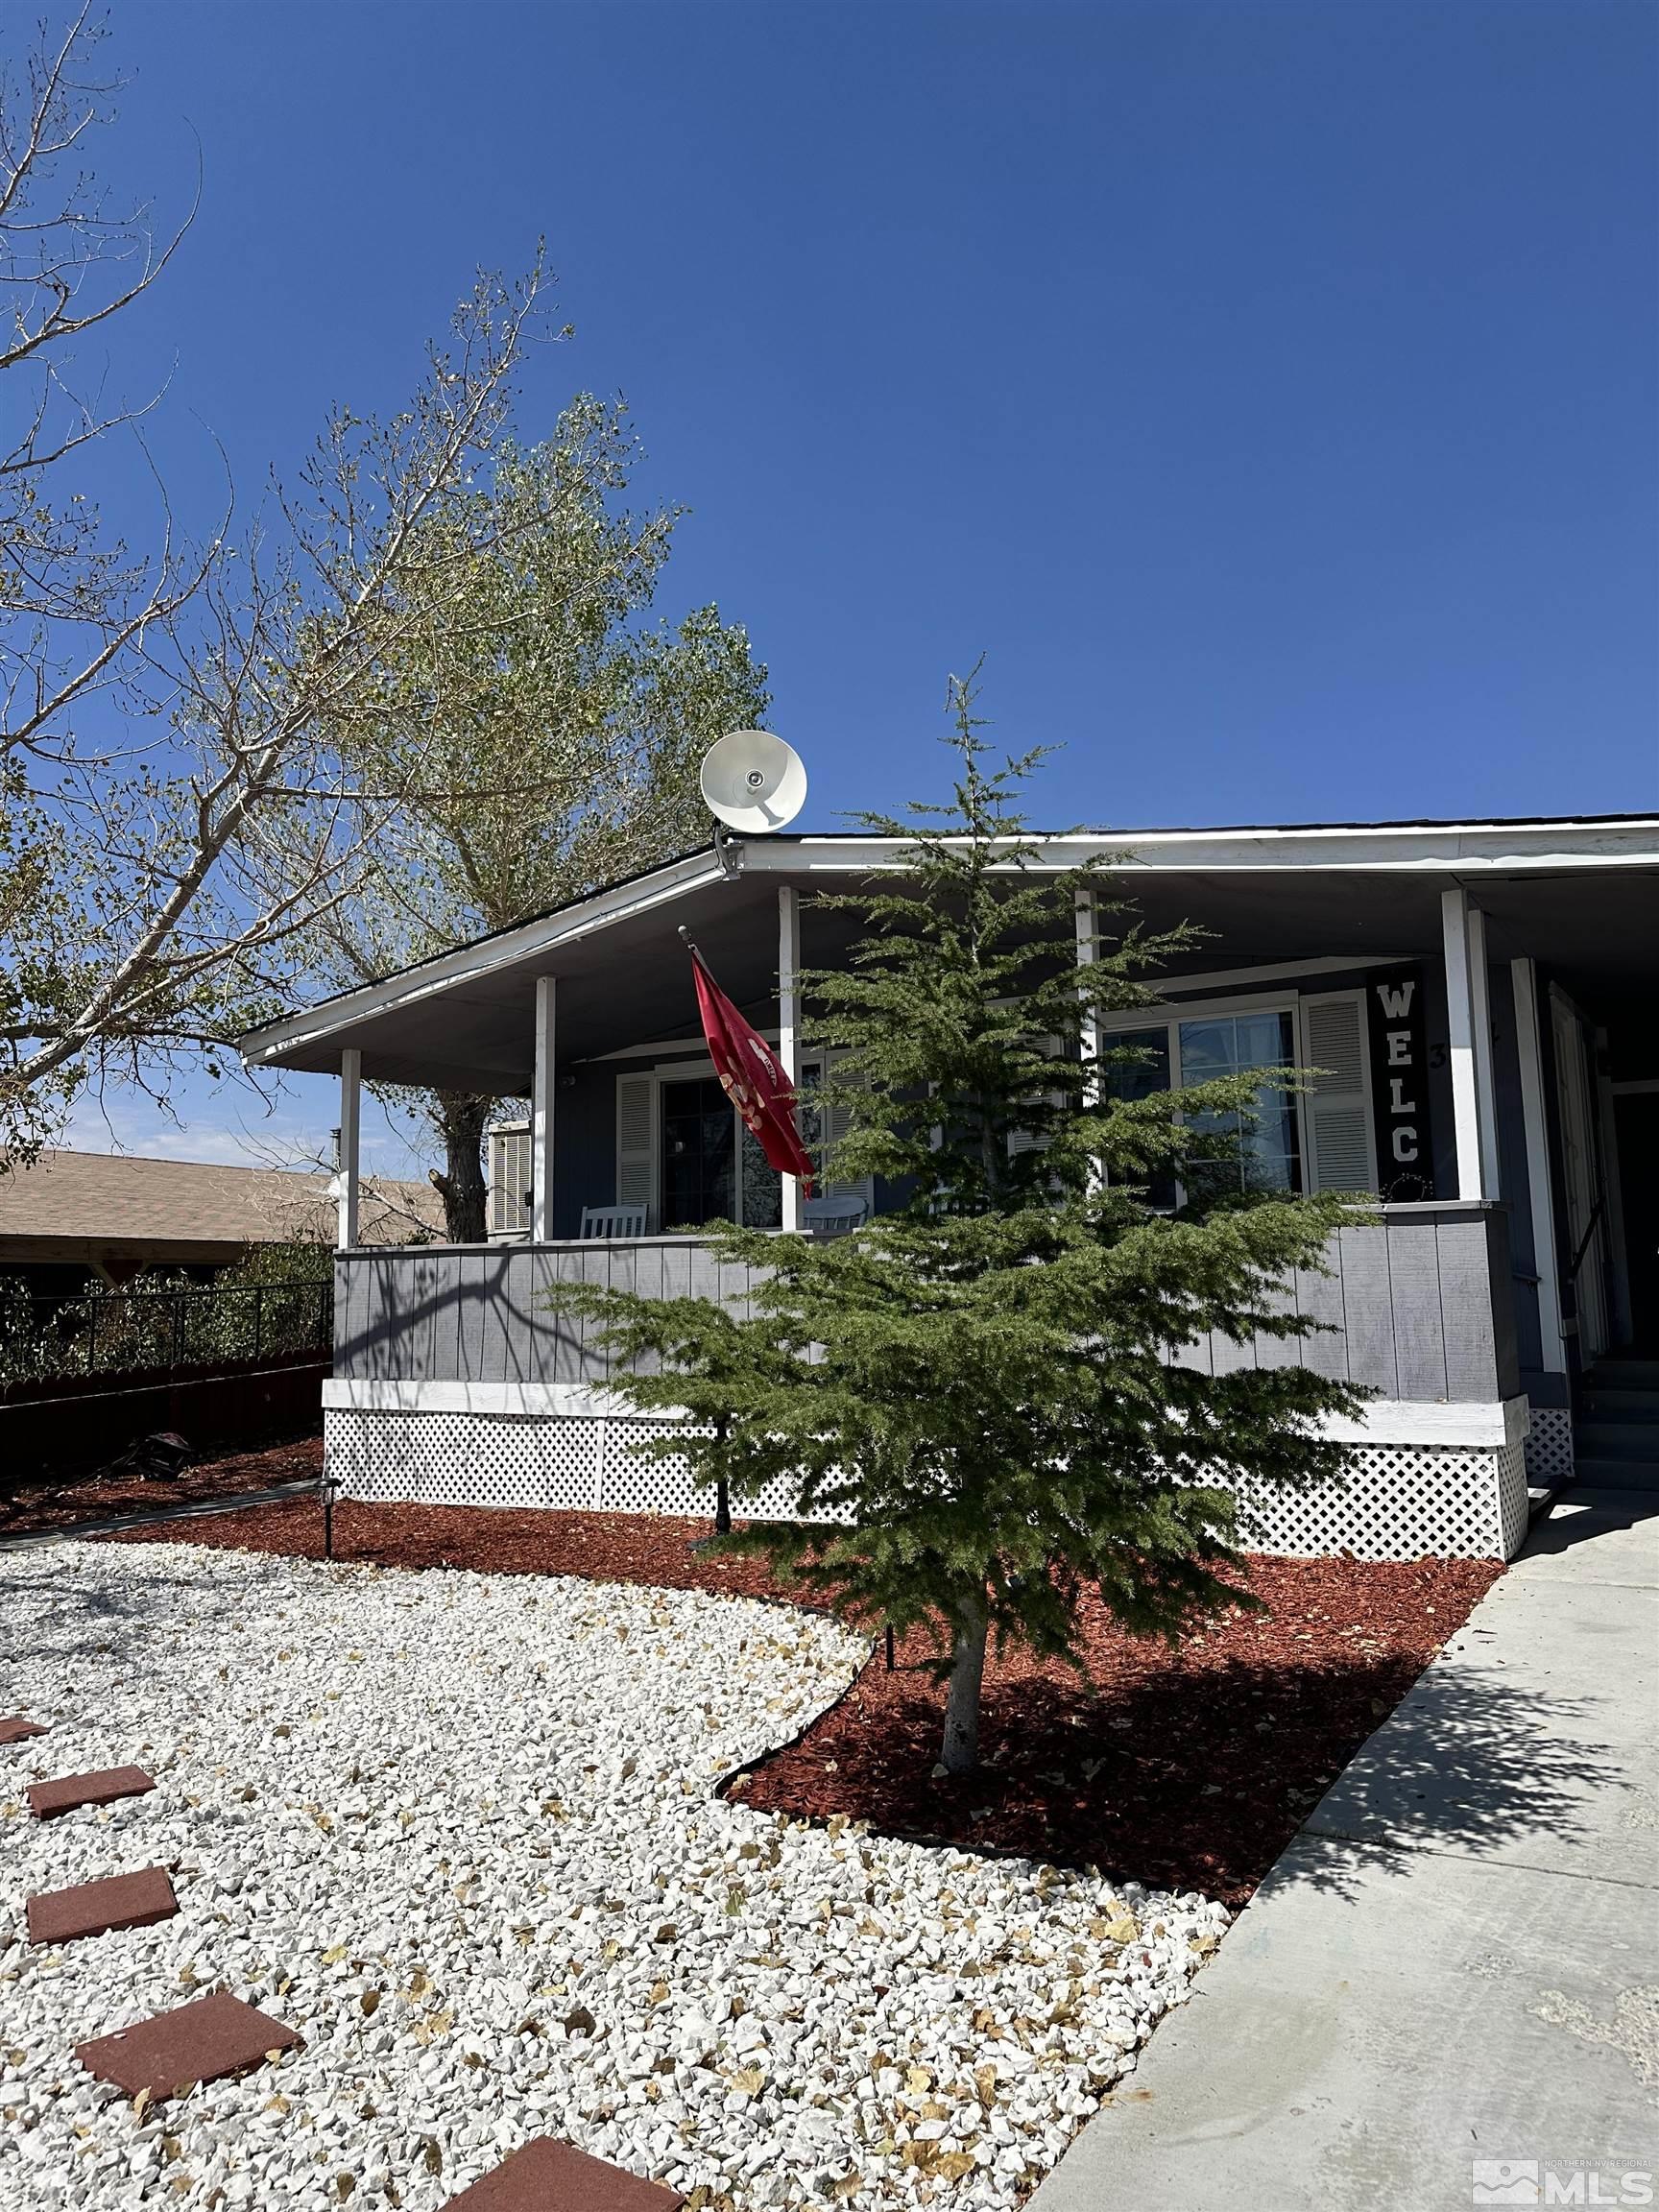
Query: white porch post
[1524, 984]
[1471, 1042]
[542, 1113]
[1089, 1037]
[346, 1178]
[790, 1019]
[1485, 1084]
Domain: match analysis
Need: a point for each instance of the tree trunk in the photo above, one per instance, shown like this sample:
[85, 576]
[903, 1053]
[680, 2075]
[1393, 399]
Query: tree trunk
[961, 1752]
[459, 1118]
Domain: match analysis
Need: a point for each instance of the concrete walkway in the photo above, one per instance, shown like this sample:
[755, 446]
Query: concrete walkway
[1457, 1957]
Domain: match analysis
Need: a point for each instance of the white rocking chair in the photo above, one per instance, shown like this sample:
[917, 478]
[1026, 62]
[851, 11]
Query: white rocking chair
[832, 1217]
[606, 1224]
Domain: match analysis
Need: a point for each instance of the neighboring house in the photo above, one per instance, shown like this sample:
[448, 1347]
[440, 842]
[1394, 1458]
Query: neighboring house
[114, 1216]
[1480, 995]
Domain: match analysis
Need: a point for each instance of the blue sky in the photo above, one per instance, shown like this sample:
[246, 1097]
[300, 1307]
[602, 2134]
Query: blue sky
[1269, 392]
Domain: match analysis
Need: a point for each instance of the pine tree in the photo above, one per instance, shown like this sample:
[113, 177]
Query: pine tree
[974, 1396]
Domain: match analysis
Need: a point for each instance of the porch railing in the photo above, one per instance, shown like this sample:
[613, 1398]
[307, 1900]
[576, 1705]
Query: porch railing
[1419, 1305]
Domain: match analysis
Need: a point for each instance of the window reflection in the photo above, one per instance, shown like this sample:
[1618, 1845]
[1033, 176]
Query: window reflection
[1265, 1154]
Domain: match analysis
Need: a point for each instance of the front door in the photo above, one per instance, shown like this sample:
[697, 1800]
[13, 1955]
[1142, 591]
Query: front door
[1586, 1255]
[713, 1168]
[1636, 1123]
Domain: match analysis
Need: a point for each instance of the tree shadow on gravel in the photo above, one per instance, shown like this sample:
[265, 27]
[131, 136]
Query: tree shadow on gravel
[87, 1619]
[1190, 1779]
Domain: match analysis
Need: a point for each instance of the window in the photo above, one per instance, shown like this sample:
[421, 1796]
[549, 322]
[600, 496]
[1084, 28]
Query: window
[1197, 1047]
[699, 1154]
[712, 1167]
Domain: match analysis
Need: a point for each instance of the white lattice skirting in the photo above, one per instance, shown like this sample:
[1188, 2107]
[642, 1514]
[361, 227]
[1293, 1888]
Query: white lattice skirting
[1398, 1502]
[1550, 1447]
[1401, 1502]
[581, 1461]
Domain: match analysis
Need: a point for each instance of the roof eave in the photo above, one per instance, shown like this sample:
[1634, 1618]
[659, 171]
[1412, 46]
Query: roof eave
[1461, 851]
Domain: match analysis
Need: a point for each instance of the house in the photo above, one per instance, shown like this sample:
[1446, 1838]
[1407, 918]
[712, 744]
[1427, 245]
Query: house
[1479, 994]
[68, 1215]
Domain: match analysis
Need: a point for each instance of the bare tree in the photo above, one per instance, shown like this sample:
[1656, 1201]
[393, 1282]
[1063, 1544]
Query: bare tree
[544, 741]
[161, 712]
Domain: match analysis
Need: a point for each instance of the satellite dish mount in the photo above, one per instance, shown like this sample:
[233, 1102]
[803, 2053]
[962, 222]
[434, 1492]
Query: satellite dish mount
[753, 784]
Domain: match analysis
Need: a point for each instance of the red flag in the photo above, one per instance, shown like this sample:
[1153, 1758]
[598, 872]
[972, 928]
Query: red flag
[753, 1077]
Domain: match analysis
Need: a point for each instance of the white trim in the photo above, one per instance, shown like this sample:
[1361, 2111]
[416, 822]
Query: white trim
[1485, 1079]
[1523, 989]
[505, 1400]
[1462, 1033]
[541, 1111]
[1639, 1087]
[789, 1031]
[1483, 1424]
[348, 1177]
[697, 1045]
[1427, 848]
[1283, 971]
[1384, 1421]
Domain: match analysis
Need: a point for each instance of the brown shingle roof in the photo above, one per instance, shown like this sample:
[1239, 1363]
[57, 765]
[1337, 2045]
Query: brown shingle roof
[113, 1200]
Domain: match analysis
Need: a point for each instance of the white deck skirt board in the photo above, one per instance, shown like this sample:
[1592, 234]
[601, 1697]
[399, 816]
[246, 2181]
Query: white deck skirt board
[1483, 1426]
[504, 1401]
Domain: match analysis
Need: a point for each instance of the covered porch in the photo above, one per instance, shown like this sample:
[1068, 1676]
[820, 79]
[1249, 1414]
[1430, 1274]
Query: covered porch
[1477, 994]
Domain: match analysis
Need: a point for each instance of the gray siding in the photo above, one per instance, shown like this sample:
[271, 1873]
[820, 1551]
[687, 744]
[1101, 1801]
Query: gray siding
[467, 1313]
[1417, 1304]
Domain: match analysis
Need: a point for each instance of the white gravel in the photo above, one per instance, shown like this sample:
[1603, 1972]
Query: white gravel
[457, 1830]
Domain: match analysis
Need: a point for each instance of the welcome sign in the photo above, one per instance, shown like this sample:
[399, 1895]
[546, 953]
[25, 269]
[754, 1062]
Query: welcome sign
[1400, 1085]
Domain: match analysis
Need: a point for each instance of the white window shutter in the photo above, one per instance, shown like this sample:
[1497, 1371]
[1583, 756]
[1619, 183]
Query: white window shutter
[509, 1180]
[824, 1128]
[1342, 1147]
[637, 1143]
[1024, 1140]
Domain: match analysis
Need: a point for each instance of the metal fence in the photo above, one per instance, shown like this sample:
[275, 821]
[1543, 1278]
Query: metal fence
[159, 1330]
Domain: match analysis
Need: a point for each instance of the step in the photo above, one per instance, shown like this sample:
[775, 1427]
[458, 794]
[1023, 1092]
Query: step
[1615, 1440]
[1605, 1403]
[1623, 1375]
[1615, 1474]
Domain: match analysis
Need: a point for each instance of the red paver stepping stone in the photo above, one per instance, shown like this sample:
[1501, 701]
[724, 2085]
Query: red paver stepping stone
[15, 1728]
[551, 2177]
[200, 2042]
[94, 1907]
[48, 1798]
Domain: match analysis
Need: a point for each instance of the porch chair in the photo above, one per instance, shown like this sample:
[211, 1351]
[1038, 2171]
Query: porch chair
[832, 1217]
[606, 1224]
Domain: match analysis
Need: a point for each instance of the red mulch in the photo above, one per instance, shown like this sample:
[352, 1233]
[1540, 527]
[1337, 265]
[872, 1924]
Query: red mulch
[38, 1506]
[1191, 1769]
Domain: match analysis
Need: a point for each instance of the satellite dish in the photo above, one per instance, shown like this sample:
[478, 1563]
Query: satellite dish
[753, 781]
